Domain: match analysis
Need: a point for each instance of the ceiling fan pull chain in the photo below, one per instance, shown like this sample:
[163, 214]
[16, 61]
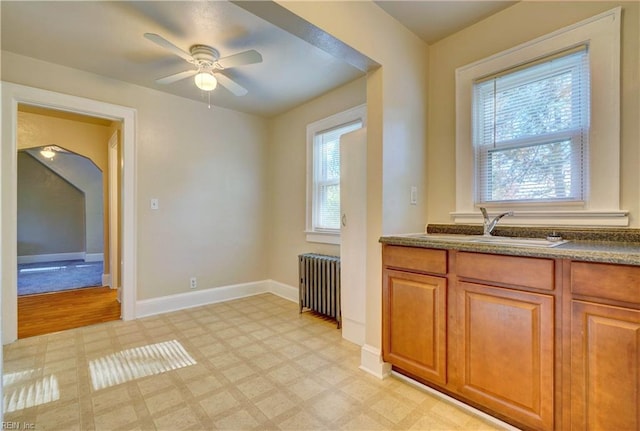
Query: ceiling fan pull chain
[209, 97]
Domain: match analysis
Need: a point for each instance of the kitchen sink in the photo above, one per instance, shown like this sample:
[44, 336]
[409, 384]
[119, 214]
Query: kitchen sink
[518, 242]
[498, 240]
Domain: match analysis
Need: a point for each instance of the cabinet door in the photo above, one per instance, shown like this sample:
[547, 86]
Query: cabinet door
[414, 324]
[605, 367]
[505, 355]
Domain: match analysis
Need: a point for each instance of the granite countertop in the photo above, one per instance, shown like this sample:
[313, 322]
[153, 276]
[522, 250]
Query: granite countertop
[620, 246]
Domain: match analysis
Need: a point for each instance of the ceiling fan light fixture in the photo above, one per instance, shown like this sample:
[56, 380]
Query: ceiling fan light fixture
[205, 81]
[48, 152]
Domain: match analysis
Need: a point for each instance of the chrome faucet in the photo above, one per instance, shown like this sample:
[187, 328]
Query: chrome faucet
[490, 225]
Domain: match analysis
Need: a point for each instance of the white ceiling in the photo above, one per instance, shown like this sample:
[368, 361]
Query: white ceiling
[106, 38]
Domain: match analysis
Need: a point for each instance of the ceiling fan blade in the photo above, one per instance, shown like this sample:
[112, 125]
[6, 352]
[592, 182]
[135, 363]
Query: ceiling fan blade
[247, 57]
[159, 40]
[231, 85]
[176, 77]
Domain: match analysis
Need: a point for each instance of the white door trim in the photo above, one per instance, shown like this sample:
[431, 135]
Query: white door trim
[114, 239]
[12, 95]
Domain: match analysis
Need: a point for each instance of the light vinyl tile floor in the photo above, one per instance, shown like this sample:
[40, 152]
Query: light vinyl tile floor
[248, 364]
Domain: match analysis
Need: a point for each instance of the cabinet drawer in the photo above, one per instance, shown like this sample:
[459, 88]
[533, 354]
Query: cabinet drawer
[602, 280]
[415, 259]
[512, 270]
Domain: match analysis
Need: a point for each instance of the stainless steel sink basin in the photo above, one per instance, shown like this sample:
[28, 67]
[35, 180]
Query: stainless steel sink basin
[498, 240]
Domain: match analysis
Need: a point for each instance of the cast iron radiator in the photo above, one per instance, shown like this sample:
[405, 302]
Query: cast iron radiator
[320, 284]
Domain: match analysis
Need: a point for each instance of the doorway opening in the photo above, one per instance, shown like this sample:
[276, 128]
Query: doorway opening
[68, 247]
[14, 95]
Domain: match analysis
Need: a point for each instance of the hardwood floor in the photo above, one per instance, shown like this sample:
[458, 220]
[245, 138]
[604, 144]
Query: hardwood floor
[53, 312]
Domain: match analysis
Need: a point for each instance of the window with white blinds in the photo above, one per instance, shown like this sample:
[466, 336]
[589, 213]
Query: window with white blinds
[538, 129]
[530, 131]
[326, 177]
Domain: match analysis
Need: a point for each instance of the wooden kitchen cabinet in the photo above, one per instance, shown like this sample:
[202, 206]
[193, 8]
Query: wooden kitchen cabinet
[605, 347]
[541, 343]
[414, 324]
[479, 326]
[414, 311]
[422, 260]
[504, 335]
[605, 367]
[516, 272]
[505, 352]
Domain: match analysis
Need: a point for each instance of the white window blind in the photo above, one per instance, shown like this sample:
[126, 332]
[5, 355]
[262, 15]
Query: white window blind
[326, 173]
[530, 131]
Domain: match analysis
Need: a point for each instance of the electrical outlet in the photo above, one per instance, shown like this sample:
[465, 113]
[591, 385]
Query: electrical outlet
[193, 282]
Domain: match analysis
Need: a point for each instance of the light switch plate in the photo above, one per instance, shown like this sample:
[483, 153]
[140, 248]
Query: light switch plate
[414, 195]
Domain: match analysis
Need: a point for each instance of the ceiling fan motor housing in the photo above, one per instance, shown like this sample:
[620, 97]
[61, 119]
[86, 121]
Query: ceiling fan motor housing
[204, 55]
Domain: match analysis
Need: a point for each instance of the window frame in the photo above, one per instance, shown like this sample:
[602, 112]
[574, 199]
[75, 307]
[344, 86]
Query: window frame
[344, 118]
[602, 203]
[483, 151]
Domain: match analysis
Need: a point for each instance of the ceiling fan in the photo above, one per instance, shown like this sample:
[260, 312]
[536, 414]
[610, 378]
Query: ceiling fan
[208, 65]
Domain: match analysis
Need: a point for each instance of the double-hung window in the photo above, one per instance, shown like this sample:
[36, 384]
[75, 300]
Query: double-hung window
[323, 173]
[538, 129]
[326, 177]
[531, 131]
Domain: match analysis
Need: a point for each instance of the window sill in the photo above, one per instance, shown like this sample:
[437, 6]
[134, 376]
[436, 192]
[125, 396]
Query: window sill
[323, 237]
[552, 218]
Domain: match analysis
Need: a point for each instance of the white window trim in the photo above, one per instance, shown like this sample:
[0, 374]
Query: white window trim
[350, 115]
[602, 208]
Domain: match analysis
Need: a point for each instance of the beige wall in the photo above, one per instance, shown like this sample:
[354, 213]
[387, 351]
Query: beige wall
[515, 25]
[396, 132]
[287, 179]
[207, 167]
[51, 212]
[399, 98]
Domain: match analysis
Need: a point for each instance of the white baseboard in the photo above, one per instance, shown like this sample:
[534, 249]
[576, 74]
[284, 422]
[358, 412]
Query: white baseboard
[284, 291]
[94, 257]
[353, 331]
[106, 279]
[52, 257]
[371, 362]
[196, 298]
